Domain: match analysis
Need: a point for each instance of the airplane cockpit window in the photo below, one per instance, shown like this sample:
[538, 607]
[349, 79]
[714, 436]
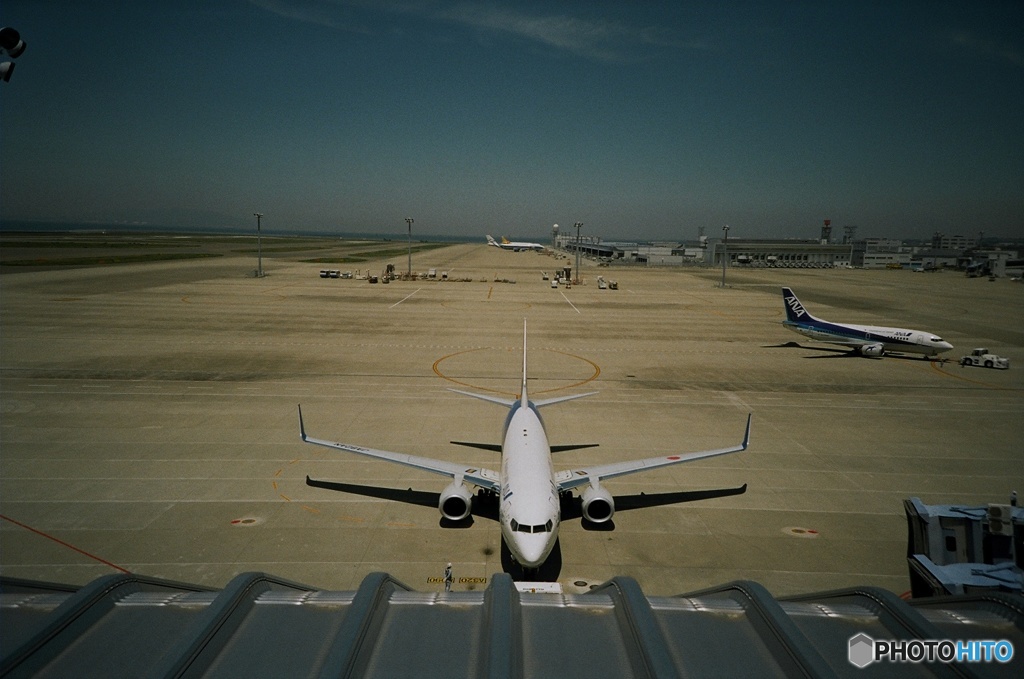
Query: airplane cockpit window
[524, 528]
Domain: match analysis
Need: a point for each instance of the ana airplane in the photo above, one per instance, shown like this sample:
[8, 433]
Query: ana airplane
[506, 244]
[866, 340]
[534, 497]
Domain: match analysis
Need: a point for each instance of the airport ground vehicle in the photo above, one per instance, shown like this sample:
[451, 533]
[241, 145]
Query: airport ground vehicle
[981, 358]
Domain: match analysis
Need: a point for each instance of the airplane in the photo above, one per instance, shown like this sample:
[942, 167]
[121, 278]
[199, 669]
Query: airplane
[506, 244]
[866, 340]
[534, 498]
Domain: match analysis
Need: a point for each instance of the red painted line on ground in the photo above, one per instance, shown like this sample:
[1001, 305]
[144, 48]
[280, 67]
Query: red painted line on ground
[69, 546]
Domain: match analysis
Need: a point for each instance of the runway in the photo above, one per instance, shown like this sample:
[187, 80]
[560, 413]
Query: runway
[149, 418]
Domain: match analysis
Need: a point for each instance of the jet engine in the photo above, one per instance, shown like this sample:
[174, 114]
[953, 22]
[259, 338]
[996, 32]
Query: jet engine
[456, 501]
[872, 350]
[598, 505]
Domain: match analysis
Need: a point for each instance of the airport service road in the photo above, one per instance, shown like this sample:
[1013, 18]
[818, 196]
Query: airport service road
[149, 417]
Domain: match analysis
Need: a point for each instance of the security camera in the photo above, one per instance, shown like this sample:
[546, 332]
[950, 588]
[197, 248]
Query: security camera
[11, 42]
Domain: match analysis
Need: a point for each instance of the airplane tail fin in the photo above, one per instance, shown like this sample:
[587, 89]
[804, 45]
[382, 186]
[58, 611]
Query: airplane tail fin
[523, 401]
[795, 311]
[491, 241]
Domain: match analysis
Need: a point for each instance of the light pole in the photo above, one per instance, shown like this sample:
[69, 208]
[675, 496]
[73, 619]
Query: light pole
[409, 221]
[259, 245]
[578, 225]
[725, 252]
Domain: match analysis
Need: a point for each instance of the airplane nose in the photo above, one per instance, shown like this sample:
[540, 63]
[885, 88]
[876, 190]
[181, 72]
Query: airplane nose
[533, 550]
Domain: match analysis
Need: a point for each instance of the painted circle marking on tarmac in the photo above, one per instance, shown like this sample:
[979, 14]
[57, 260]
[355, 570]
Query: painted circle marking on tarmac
[439, 373]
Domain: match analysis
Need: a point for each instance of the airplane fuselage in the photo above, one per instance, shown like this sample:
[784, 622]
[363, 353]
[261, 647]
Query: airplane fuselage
[891, 339]
[868, 340]
[515, 246]
[529, 505]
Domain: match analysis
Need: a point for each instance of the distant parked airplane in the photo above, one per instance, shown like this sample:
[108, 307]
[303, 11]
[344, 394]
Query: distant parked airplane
[533, 497]
[506, 244]
[866, 340]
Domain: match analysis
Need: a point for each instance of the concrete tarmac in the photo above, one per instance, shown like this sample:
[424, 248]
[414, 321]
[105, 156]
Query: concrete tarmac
[149, 416]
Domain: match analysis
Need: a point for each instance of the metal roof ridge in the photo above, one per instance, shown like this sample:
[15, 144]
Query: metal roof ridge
[84, 607]
[219, 621]
[780, 634]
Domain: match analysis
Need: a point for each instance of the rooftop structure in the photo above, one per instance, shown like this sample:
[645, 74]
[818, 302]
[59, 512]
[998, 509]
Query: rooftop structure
[954, 549]
[262, 626]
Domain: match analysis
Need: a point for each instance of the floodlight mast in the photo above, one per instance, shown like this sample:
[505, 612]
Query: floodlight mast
[725, 251]
[409, 221]
[578, 225]
[259, 245]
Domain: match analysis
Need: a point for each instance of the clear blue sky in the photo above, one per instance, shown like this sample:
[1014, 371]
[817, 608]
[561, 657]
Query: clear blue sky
[640, 119]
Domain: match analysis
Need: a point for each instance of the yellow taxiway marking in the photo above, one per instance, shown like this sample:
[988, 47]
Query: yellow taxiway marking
[437, 371]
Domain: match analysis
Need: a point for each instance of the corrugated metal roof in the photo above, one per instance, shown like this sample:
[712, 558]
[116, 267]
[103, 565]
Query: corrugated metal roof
[263, 626]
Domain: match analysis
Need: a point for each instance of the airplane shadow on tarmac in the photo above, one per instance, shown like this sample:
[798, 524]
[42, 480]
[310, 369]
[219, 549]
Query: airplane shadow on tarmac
[835, 352]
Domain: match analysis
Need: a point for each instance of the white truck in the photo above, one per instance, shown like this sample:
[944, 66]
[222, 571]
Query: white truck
[981, 358]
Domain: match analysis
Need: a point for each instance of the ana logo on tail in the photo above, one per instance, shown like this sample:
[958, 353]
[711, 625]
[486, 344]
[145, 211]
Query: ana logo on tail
[796, 307]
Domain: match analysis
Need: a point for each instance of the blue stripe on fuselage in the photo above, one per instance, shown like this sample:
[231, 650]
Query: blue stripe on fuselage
[842, 332]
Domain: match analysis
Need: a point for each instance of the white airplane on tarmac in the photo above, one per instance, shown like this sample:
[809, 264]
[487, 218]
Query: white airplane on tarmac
[532, 497]
[866, 340]
[516, 246]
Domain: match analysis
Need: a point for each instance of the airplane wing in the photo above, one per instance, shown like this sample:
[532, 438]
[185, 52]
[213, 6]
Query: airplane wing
[573, 478]
[485, 478]
[626, 502]
[485, 508]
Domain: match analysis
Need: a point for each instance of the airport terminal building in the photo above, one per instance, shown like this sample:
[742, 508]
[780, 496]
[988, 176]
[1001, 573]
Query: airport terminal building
[791, 253]
[782, 253]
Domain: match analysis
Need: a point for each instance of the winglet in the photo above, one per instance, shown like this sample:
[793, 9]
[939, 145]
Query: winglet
[746, 436]
[302, 427]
